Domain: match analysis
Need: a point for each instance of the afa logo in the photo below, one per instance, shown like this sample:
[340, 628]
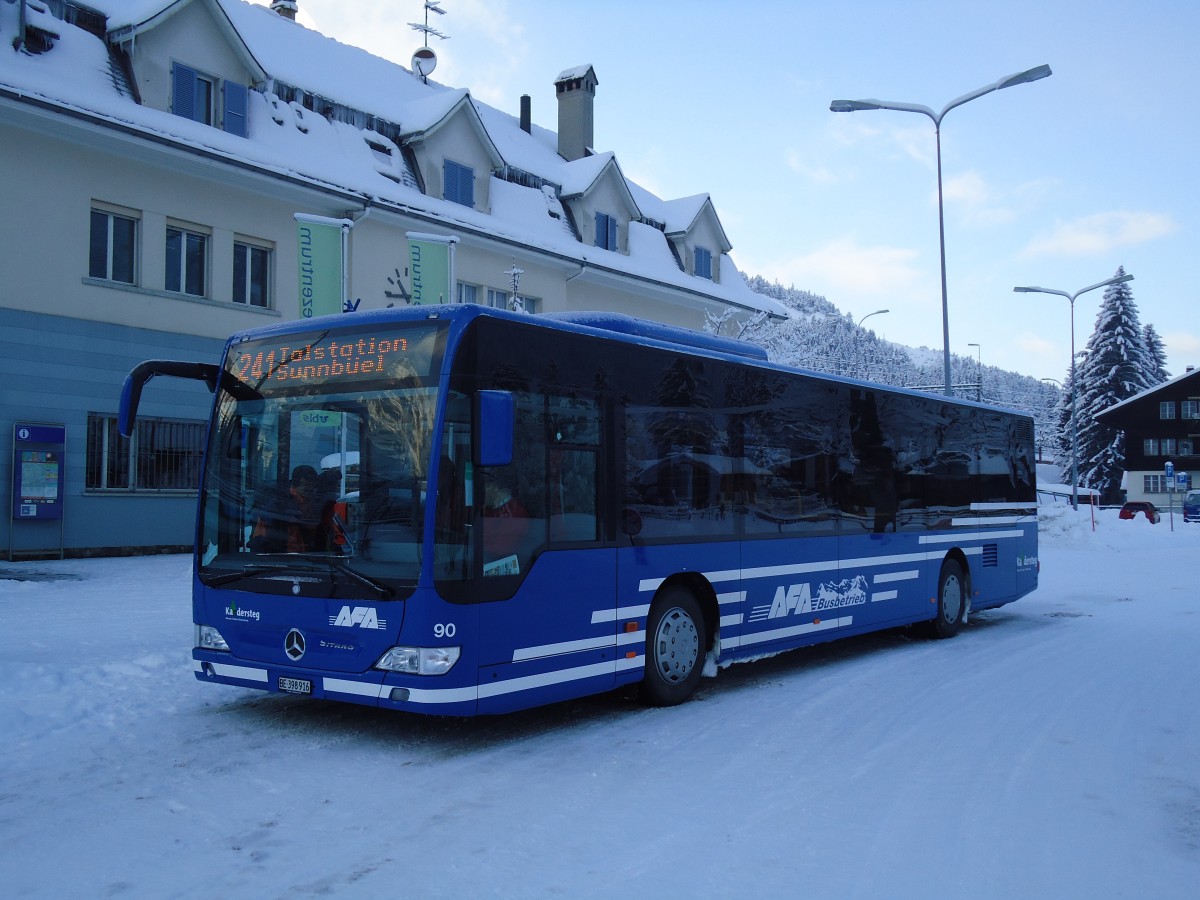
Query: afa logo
[798, 599]
[358, 617]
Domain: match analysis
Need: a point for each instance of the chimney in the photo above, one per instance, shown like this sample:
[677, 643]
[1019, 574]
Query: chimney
[286, 8]
[576, 89]
[526, 114]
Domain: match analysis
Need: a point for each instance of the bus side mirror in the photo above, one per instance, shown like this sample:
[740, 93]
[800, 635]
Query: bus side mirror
[131, 390]
[495, 415]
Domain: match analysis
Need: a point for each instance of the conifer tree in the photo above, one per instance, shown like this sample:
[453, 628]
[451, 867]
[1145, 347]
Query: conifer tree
[1114, 368]
[1157, 355]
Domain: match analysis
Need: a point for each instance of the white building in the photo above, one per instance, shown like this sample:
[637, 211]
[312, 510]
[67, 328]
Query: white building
[156, 154]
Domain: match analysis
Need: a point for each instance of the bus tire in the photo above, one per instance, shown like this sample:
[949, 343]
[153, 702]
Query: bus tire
[675, 646]
[951, 600]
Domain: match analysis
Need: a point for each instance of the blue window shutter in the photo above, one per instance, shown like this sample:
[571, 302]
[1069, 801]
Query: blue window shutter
[606, 231]
[183, 91]
[467, 186]
[235, 108]
[703, 263]
[459, 183]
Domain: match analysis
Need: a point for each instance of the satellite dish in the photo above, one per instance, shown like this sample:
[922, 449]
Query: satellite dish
[424, 61]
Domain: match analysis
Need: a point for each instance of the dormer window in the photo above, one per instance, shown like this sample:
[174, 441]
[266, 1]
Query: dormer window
[702, 263]
[194, 96]
[606, 231]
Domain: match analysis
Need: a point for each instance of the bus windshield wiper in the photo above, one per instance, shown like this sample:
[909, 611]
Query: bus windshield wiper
[247, 571]
[338, 565]
[334, 564]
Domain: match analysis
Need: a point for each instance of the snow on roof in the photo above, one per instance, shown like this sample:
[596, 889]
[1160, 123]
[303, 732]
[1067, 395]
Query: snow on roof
[74, 78]
[1128, 401]
[580, 174]
[576, 72]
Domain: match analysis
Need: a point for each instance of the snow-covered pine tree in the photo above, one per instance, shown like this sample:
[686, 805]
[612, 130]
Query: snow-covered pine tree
[1114, 369]
[1062, 444]
[1157, 355]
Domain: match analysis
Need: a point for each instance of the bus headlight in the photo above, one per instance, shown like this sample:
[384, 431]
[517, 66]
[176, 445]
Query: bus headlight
[419, 660]
[208, 638]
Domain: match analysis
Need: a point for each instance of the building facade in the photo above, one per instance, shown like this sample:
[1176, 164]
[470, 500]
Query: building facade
[1161, 425]
[162, 157]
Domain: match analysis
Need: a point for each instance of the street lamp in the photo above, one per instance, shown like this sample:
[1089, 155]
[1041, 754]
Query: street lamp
[877, 312]
[978, 371]
[1120, 279]
[859, 105]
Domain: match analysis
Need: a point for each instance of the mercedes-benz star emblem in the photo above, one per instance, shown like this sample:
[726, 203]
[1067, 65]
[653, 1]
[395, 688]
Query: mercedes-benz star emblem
[293, 645]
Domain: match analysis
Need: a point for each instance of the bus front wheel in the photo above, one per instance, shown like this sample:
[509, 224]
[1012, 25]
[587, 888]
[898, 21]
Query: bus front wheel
[674, 648]
[951, 600]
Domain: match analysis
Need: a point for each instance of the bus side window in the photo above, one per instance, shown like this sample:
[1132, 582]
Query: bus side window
[573, 439]
[513, 514]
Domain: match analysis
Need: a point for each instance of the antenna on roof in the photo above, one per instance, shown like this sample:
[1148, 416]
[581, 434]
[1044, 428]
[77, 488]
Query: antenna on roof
[424, 61]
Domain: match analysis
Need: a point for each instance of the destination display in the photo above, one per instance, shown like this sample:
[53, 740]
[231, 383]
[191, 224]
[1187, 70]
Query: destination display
[331, 358]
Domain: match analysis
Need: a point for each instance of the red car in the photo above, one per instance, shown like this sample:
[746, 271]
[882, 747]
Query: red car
[1132, 508]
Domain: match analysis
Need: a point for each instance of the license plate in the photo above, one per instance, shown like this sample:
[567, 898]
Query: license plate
[295, 685]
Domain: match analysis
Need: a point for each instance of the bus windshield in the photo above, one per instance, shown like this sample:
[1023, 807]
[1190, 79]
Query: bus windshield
[318, 463]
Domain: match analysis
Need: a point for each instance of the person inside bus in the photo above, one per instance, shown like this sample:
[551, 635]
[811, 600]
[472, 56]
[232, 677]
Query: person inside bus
[505, 526]
[296, 528]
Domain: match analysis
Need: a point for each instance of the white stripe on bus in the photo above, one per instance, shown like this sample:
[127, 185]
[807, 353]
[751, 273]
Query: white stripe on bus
[886, 577]
[225, 670]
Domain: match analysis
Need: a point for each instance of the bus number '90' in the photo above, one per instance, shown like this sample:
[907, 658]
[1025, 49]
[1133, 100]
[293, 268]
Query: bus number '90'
[444, 631]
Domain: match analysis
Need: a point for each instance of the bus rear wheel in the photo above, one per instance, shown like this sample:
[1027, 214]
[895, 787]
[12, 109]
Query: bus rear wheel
[674, 648]
[951, 601]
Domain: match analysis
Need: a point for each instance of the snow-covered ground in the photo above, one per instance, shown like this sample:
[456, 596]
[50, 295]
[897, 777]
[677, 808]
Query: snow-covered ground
[1050, 750]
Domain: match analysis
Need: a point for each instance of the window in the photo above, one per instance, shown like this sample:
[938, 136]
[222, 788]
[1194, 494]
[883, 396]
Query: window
[1159, 447]
[606, 231]
[1190, 409]
[497, 299]
[1153, 484]
[187, 261]
[1166, 409]
[702, 259]
[192, 94]
[458, 183]
[162, 455]
[467, 293]
[1187, 447]
[112, 252]
[251, 275]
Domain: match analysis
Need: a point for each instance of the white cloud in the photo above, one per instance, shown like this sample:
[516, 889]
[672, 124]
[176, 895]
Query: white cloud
[1100, 233]
[1182, 345]
[815, 172]
[1036, 344]
[843, 266]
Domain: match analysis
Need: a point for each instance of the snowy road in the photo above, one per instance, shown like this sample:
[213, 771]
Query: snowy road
[1051, 750]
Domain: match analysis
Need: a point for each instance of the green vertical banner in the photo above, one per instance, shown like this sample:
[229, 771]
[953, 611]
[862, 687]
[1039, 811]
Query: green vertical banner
[430, 268]
[321, 245]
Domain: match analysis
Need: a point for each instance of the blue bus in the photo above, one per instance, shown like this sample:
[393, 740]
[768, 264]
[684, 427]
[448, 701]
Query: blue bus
[457, 510]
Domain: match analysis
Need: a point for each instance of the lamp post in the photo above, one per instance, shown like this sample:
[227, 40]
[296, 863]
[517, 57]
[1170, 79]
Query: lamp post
[1121, 279]
[858, 105]
[978, 371]
[877, 312]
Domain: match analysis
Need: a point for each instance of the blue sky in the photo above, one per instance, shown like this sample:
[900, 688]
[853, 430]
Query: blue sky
[1054, 183]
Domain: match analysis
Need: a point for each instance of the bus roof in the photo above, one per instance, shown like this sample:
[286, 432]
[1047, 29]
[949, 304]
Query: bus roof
[615, 325]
